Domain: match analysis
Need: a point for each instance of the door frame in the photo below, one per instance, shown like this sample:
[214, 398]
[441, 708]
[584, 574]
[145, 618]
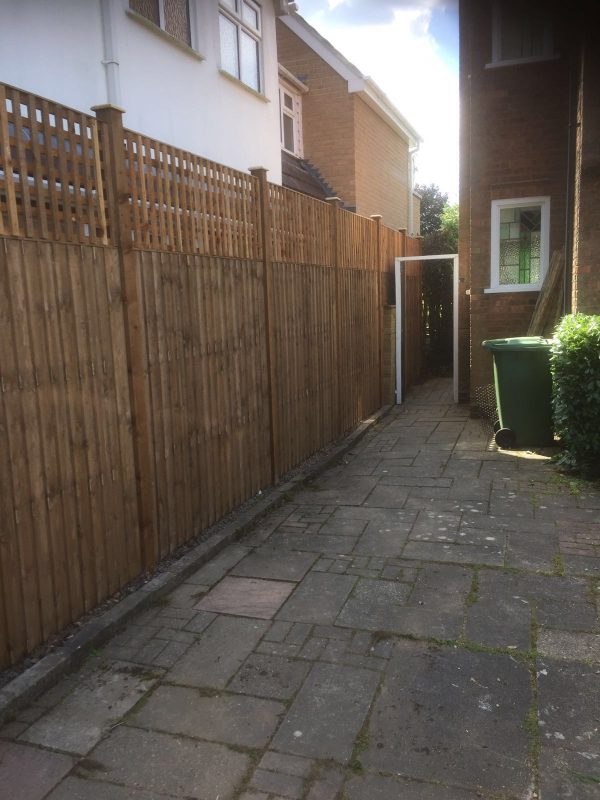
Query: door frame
[399, 270]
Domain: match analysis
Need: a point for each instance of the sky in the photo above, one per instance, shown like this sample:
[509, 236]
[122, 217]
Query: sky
[410, 49]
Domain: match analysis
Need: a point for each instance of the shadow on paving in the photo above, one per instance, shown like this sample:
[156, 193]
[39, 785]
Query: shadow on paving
[421, 622]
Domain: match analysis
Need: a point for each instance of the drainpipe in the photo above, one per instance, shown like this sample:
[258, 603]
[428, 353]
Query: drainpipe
[110, 59]
[575, 73]
[412, 151]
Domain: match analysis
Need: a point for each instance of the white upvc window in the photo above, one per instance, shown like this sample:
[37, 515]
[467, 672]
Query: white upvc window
[171, 16]
[521, 33]
[240, 30]
[290, 119]
[520, 241]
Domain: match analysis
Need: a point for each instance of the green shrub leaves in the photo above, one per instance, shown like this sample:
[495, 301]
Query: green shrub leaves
[575, 365]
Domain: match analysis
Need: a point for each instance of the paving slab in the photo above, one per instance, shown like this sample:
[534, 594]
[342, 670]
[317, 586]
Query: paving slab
[318, 599]
[218, 655]
[29, 773]
[569, 646]
[230, 719]
[246, 597]
[104, 693]
[379, 787]
[373, 605]
[271, 563]
[172, 765]
[269, 676]
[73, 788]
[328, 713]
[569, 775]
[449, 712]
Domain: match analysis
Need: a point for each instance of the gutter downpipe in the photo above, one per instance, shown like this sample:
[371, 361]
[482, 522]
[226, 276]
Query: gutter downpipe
[572, 129]
[110, 60]
[412, 151]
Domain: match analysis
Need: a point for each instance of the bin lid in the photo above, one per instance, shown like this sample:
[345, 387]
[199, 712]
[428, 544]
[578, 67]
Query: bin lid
[518, 343]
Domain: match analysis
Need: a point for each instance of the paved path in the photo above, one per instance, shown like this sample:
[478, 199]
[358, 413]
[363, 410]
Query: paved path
[419, 624]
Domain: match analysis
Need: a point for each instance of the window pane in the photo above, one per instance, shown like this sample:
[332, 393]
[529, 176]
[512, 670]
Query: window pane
[232, 4]
[147, 8]
[249, 60]
[288, 133]
[177, 19]
[250, 16]
[229, 53]
[288, 101]
[520, 238]
[523, 33]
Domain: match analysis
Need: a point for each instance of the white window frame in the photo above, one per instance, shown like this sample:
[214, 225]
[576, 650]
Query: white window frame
[295, 114]
[548, 53]
[235, 16]
[519, 202]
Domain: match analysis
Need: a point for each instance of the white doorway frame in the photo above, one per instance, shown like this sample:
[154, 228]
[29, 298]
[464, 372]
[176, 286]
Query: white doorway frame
[399, 275]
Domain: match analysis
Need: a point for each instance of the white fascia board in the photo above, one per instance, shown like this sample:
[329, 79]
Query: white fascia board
[357, 82]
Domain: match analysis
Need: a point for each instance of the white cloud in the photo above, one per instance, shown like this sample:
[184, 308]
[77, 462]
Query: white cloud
[405, 60]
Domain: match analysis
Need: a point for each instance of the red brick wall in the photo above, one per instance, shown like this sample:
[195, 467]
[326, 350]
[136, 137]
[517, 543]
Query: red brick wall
[382, 167]
[514, 137]
[327, 114]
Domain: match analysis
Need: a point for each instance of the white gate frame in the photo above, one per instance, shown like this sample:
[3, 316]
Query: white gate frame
[399, 311]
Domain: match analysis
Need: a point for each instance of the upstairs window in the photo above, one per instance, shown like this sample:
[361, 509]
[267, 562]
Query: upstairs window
[520, 243]
[290, 120]
[240, 29]
[172, 16]
[521, 33]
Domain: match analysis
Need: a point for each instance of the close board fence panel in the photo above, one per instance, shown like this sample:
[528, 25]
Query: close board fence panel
[174, 335]
[68, 483]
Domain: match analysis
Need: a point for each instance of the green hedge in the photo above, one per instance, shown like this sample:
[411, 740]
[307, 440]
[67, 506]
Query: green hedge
[575, 364]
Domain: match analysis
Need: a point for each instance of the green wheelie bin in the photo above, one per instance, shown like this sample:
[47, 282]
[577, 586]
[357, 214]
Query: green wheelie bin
[523, 391]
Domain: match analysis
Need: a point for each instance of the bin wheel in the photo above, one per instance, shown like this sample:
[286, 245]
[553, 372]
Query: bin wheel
[497, 426]
[505, 438]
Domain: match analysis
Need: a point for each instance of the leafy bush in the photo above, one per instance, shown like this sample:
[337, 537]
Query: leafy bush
[575, 365]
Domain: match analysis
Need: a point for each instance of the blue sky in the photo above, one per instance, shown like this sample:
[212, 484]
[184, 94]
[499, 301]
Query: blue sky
[410, 48]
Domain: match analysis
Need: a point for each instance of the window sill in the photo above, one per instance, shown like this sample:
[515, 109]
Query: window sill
[517, 62]
[510, 289]
[185, 48]
[243, 85]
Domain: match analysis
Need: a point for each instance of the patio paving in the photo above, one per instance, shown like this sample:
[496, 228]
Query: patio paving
[418, 623]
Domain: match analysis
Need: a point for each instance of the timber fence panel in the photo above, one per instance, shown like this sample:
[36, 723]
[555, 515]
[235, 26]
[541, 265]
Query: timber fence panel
[182, 203]
[51, 165]
[208, 387]
[299, 228]
[68, 483]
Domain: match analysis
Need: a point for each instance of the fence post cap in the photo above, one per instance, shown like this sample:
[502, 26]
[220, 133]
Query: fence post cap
[107, 107]
[256, 170]
[376, 217]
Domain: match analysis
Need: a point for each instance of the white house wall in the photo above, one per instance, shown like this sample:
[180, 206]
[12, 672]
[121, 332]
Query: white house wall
[55, 49]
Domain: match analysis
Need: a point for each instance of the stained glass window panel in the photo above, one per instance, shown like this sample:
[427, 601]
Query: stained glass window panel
[520, 237]
[229, 51]
[146, 8]
[177, 19]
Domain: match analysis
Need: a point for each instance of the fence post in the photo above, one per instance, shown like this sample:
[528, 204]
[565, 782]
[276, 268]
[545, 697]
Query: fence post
[379, 266]
[334, 203]
[118, 194]
[265, 233]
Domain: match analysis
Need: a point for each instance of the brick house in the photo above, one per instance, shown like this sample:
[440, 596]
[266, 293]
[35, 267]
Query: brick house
[340, 134]
[530, 168]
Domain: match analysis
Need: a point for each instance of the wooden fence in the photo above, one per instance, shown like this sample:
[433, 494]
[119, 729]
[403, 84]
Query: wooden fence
[174, 336]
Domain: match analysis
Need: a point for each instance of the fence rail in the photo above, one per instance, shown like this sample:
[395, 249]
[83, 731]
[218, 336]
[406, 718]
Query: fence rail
[174, 335]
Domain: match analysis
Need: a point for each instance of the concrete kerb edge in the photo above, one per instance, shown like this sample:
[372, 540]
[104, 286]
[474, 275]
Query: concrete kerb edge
[48, 670]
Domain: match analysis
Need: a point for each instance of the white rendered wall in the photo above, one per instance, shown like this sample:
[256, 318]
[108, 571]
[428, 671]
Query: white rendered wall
[55, 49]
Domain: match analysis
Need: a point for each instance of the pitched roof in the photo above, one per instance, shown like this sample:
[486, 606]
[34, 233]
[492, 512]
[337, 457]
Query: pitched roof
[358, 83]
